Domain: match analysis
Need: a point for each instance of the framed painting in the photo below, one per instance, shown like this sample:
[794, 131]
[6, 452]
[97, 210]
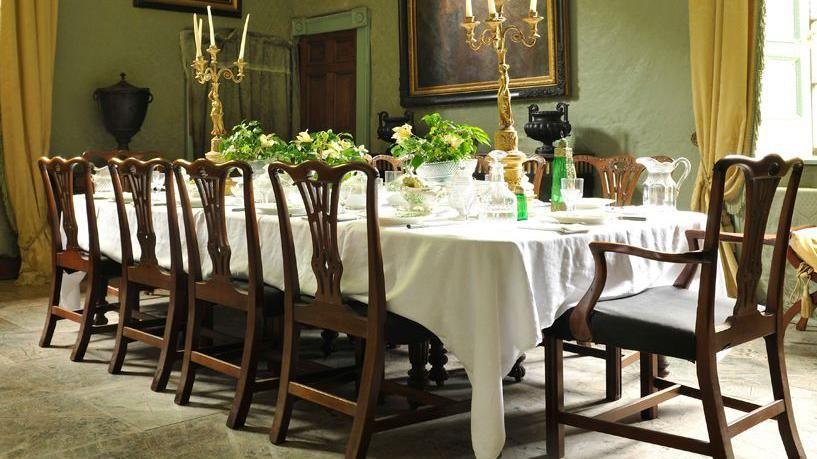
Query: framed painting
[438, 67]
[219, 7]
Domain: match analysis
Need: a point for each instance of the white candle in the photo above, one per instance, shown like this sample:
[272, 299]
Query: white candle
[244, 38]
[197, 35]
[212, 31]
[491, 8]
[469, 11]
[533, 6]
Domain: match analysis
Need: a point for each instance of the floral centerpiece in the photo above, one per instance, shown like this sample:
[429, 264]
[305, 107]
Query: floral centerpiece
[440, 152]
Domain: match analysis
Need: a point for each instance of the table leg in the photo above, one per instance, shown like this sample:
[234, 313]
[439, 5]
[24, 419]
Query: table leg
[438, 358]
[518, 370]
[663, 367]
[328, 345]
[418, 356]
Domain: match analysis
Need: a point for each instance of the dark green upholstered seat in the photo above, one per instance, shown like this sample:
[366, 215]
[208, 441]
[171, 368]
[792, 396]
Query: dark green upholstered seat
[660, 320]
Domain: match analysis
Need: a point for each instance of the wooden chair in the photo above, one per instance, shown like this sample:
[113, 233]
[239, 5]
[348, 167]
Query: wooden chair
[251, 297]
[385, 163]
[677, 322]
[618, 174]
[536, 167]
[143, 273]
[370, 324]
[483, 167]
[58, 175]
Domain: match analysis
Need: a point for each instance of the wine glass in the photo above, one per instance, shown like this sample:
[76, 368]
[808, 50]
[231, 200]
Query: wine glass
[572, 190]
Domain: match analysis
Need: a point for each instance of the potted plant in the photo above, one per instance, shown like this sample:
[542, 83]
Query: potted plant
[446, 148]
[247, 142]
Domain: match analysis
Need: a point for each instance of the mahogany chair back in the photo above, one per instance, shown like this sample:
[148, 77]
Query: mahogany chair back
[137, 176]
[59, 175]
[210, 180]
[385, 163]
[482, 168]
[618, 175]
[320, 185]
[536, 167]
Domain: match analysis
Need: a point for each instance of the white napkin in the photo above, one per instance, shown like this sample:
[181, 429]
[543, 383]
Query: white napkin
[69, 290]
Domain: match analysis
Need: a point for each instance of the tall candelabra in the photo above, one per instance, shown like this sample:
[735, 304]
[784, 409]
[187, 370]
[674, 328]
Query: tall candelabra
[496, 34]
[212, 72]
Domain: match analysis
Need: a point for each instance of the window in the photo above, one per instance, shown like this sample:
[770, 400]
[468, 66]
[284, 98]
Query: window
[788, 97]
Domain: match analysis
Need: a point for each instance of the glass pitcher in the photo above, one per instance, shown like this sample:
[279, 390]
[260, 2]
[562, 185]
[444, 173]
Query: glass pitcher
[661, 189]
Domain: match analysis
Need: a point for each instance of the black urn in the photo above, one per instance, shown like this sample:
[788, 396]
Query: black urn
[386, 124]
[547, 127]
[124, 107]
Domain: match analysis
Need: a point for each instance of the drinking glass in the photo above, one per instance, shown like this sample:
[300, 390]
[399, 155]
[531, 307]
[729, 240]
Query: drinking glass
[572, 190]
[391, 179]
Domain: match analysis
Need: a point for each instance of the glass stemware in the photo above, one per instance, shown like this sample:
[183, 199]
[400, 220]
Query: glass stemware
[572, 190]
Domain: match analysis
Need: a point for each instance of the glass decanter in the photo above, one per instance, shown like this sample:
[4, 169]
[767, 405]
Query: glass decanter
[499, 202]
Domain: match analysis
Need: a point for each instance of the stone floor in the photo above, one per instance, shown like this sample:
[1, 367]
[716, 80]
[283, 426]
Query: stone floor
[52, 407]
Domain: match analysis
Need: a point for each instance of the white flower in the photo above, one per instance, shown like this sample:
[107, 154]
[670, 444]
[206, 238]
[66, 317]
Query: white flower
[345, 144]
[401, 133]
[230, 150]
[361, 150]
[303, 137]
[267, 140]
[453, 140]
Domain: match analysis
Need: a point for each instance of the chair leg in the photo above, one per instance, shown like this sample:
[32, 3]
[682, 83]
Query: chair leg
[289, 362]
[371, 379]
[780, 389]
[649, 371]
[128, 297]
[554, 396]
[249, 366]
[174, 326]
[53, 300]
[191, 343]
[719, 439]
[97, 290]
[613, 373]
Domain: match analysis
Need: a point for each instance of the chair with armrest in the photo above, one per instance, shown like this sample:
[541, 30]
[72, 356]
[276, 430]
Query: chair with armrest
[58, 175]
[369, 323]
[618, 175]
[677, 322]
[143, 272]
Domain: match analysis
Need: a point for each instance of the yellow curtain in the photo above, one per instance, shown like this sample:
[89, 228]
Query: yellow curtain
[28, 32]
[724, 53]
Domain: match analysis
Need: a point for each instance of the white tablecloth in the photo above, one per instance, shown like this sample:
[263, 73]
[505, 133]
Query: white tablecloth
[486, 290]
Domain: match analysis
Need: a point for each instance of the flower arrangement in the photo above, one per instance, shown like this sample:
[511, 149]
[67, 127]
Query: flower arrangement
[445, 141]
[247, 142]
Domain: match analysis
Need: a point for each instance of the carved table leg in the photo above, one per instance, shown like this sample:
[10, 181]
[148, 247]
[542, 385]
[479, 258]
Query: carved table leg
[438, 358]
[518, 370]
[328, 346]
[663, 367]
[418, 356]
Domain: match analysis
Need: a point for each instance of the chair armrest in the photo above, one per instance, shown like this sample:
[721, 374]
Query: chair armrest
[580, 319]
[768, 238]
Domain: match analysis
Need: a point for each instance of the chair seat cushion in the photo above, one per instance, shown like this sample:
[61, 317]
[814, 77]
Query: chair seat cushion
[399, 330]
[660, 320]
[273, 297]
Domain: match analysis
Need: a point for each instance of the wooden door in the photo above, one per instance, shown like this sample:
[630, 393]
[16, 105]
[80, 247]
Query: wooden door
[328, 80]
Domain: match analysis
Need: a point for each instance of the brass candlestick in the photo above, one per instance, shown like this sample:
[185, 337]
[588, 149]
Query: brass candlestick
[496, 35]
[212, 72]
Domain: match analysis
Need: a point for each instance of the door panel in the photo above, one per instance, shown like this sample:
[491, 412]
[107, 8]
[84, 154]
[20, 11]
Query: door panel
[328, 81]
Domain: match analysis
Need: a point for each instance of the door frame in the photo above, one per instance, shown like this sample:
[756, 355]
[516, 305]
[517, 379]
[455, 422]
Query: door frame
[357, 19]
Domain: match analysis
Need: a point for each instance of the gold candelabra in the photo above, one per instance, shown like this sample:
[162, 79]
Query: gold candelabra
[496, 35]
[212, 72]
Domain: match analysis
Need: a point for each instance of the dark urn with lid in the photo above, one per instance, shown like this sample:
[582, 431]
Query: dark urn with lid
[386, 124]
[547, 127]
[124, 107]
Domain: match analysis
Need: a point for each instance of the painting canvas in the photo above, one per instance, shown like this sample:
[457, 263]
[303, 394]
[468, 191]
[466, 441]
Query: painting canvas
[439, 67]
[219, 7]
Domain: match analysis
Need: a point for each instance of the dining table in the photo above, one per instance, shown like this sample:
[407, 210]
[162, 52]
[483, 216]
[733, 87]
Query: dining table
[486, 288]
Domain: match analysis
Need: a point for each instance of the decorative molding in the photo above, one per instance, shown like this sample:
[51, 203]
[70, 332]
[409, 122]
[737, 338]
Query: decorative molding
[355, 19]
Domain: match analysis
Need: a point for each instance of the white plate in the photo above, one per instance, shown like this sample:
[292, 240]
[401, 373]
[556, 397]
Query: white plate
[395, 217]
[580, 216]
[593, 203]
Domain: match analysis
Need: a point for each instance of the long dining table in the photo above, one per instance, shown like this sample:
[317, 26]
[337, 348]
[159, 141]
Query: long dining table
[486, 289]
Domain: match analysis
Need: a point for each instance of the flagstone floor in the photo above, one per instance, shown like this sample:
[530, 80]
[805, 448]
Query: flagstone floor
[52, 407]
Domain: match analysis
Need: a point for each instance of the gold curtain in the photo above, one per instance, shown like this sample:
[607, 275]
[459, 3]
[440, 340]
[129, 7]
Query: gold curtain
[724, 53]
[28, 32]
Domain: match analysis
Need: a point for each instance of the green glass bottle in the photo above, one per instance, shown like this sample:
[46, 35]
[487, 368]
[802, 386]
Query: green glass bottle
[521, 207]
[558, 172]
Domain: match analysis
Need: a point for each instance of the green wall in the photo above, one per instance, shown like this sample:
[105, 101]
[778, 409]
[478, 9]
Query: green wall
[98, 39]
[630, 76]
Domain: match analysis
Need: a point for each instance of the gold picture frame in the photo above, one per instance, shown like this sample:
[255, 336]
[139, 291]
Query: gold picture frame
[437, 65]
[219, 7]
